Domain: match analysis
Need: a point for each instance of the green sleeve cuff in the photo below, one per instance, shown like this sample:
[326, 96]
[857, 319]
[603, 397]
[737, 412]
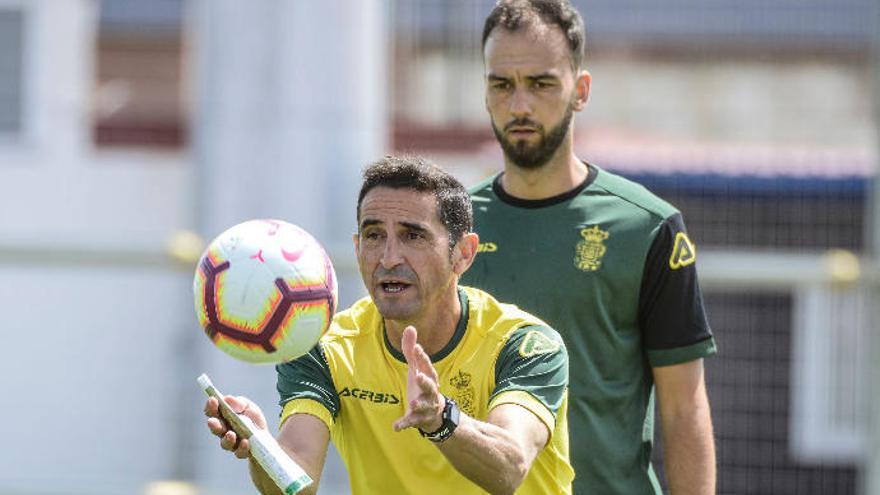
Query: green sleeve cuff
[678, 355]
[534, 361]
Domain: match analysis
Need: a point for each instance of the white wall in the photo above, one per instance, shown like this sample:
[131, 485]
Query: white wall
[291, 100]
[102, 348]
[77, 330]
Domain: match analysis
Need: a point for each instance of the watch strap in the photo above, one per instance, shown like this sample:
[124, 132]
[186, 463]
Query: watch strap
[450, 418]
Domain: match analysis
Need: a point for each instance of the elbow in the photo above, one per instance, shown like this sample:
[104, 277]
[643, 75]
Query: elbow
[694, 416]
[521, 469]
[516, 474]
[520, 472]
[505, 481]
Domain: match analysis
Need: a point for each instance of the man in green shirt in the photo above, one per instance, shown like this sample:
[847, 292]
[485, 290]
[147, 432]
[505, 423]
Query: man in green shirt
[602, 260]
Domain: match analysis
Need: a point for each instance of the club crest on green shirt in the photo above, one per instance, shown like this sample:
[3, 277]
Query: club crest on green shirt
[535, 342]
[591, 249]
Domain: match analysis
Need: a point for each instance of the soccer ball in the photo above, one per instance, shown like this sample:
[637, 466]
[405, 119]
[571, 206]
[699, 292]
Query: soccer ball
[265, 291]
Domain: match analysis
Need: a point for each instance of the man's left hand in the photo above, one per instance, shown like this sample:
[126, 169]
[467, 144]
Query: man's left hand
[425, 403]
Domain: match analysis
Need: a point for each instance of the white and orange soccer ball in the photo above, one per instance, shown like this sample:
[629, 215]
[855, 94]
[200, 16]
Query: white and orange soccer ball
[265, 291]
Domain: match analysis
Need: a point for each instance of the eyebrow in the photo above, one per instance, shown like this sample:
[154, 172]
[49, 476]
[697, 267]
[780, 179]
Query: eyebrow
[415, 227]
[535, 77]
[369, 222]
[544, 76]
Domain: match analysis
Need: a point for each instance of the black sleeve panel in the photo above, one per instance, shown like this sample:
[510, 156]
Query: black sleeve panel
[671, 312]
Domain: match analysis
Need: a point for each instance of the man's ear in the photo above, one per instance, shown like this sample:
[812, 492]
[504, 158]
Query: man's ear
[464, 252]
[582, 90]
[355, 239]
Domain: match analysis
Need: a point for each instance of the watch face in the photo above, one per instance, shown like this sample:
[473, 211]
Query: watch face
[451, 416]
[454, 413]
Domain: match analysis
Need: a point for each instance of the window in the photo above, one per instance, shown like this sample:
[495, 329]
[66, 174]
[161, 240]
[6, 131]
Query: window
[11, 56]
[830, 345]
[139, 98]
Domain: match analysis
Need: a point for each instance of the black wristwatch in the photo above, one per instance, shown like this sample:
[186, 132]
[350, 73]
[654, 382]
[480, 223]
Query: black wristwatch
[450, 417]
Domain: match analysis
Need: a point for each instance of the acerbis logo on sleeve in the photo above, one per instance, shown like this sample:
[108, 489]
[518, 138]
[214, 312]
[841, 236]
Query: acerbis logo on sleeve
[684, 252]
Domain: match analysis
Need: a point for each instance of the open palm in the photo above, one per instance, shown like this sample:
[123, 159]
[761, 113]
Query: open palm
[424, 402]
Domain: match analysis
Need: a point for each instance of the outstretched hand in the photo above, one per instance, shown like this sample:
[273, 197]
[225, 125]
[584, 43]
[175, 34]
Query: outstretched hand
[229, 439]
[424, 402]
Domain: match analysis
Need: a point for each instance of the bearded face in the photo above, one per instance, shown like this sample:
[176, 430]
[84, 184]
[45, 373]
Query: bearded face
[531, 150]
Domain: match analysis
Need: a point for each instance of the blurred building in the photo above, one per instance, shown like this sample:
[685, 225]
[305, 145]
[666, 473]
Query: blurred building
[124, 125]
[92, 309]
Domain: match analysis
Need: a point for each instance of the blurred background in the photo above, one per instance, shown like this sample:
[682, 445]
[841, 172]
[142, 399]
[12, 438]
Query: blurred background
[130, 129]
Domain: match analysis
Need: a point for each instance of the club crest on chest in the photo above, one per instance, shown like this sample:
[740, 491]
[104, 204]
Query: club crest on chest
[464, 393]
[590, 250]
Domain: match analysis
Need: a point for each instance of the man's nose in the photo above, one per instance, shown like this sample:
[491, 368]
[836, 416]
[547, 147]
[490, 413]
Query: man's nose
[391, 255]
[520, 106]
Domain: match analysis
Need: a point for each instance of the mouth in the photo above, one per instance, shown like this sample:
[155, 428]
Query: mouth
[522, 132]
[393, 286]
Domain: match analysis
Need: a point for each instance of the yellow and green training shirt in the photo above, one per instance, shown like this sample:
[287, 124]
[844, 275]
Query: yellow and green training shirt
[355, 382]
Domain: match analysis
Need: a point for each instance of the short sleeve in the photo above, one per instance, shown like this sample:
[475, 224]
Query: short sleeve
[672, 316]
[532, 371]
[304, 380]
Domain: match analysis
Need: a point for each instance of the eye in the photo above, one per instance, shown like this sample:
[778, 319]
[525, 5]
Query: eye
[414, 236]
[500, 85]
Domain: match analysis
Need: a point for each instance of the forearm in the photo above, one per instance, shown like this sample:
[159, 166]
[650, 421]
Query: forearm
[486, 454]
[304, 439]
[689, 452]
[261, 480]
[266, 486]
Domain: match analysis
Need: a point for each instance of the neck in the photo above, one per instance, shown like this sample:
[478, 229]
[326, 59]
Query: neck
[563, 172]
[435, 328]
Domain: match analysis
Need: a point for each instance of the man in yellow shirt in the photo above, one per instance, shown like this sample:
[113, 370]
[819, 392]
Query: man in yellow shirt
[424, 386]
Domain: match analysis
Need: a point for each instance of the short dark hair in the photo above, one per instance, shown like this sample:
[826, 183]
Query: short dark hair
[419, 174]
[515, 14]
